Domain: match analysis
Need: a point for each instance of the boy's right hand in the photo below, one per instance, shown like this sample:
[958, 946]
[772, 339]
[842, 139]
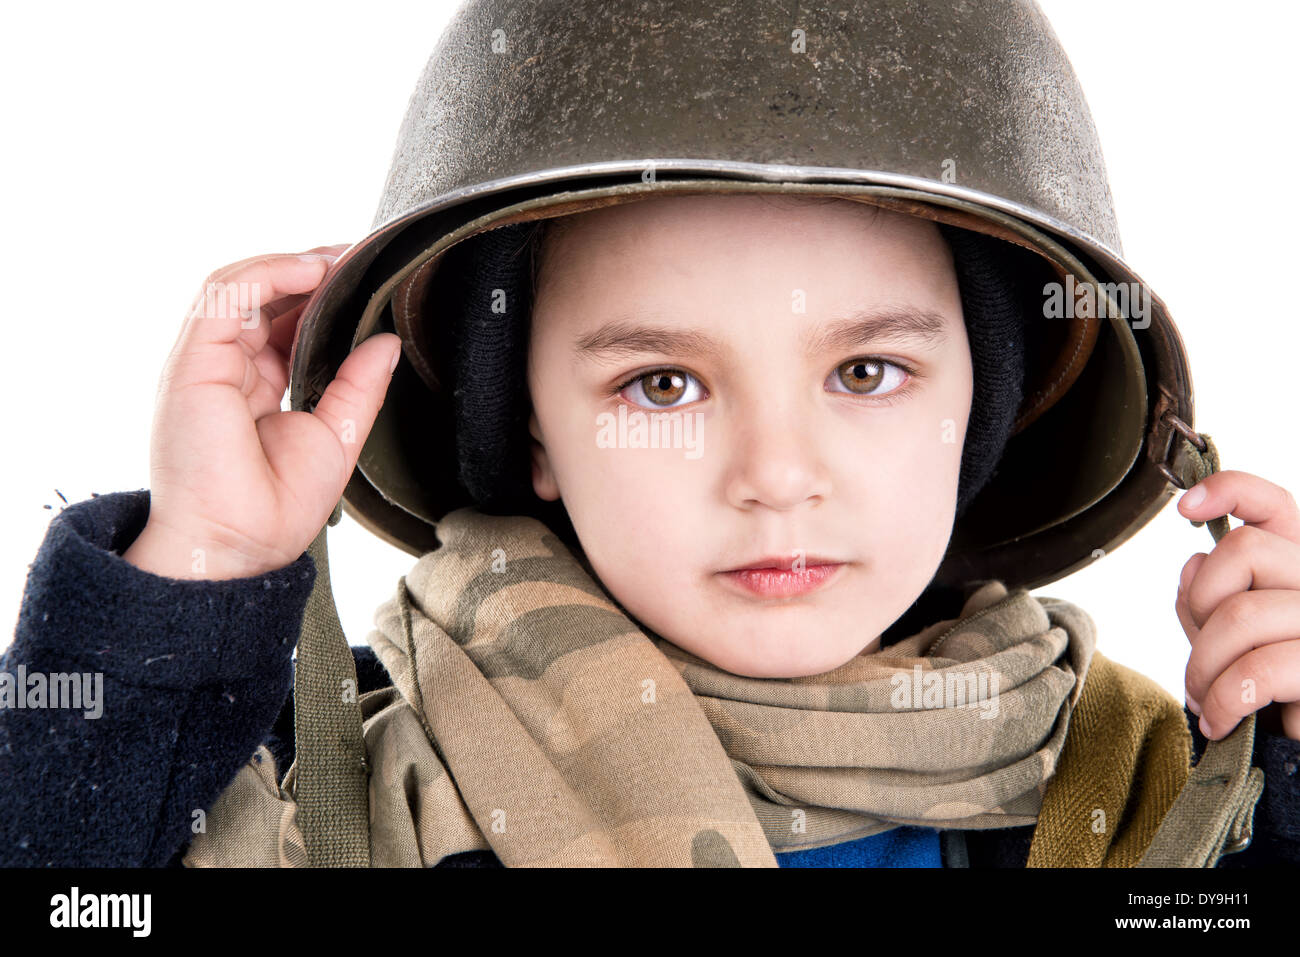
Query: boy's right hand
[237, 487]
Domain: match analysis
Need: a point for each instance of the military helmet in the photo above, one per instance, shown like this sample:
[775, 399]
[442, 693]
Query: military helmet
[966, 114]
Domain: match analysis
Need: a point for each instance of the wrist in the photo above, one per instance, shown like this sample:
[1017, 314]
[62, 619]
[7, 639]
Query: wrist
[171, 555]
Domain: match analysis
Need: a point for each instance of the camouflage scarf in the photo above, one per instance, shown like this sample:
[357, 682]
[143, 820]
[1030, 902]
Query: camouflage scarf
[574, 738]
[531, 716]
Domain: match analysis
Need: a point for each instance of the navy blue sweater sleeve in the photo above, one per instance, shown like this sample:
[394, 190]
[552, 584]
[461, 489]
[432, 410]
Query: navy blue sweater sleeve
[1276, 827]
[193, 676]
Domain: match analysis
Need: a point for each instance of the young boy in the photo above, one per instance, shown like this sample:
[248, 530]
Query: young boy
[835, 438]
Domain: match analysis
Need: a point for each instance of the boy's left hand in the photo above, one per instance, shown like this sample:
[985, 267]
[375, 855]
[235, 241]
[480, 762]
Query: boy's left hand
[1240, 606]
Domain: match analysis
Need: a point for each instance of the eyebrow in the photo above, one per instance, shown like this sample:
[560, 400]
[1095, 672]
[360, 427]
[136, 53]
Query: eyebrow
[631, 336]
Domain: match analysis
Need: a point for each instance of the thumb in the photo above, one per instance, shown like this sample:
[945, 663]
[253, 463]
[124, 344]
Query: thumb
[351, 402]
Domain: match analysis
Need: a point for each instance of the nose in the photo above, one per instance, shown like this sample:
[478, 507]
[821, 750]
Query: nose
[776, 463]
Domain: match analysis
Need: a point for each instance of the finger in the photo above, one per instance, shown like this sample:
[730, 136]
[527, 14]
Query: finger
[1250, 498]
[284, 304]
[268, 394]
[271, 276]
[282, 314]
[1190, 627]
[351, 402]
[230, 271]
[1190, 568]
[313, 455]
[1268, 674]
[261, 377]
[1247, 558]
[283, 327]
[336, 249]
[229, 306]
[1244, 622]
[272, 362]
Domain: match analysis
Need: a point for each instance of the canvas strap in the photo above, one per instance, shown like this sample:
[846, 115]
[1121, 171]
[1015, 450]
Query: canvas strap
[331, 778]
[1214, 812]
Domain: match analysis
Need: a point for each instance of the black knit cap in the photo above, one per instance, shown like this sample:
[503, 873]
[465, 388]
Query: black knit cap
[486, 284]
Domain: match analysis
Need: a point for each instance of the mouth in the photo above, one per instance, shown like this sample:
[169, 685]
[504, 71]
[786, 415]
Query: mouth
[776, 577]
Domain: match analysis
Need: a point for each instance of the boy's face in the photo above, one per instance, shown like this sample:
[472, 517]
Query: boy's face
[793, 439]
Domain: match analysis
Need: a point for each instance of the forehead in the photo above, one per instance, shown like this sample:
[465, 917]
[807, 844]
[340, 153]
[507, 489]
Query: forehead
[666, 227]
[682, 274]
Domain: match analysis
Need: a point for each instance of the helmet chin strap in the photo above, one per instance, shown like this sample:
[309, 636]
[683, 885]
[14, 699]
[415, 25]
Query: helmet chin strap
[1214, 812]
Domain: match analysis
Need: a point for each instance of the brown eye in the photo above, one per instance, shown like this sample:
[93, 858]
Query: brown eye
[862, 375]
[663, 388]
[865, 376]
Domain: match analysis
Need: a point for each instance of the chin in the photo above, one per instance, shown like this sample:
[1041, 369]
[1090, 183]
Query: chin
[751, 662]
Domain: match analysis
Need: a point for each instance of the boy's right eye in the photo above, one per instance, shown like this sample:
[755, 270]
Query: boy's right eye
[661, 388]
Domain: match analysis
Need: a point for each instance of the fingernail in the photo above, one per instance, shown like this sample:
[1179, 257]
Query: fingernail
[325, 258]
[1194, 497]
[1192, 704]
[397, 354]
[1205, 726]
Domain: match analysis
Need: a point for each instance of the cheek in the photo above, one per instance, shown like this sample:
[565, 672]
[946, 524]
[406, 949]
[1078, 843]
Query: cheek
[908, 452]
[911, 500]
[638, 514]
[900, 482]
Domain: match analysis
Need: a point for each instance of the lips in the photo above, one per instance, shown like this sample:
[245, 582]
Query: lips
[763, 579]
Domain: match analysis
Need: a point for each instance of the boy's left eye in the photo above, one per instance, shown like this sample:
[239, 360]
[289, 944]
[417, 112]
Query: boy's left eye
[866, 376]
[662, 388]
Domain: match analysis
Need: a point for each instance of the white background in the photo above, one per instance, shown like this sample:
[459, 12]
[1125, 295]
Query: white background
[147, 144]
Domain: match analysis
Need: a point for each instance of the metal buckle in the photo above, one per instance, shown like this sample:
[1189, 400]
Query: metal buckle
[1239, 845]
[1178, 425]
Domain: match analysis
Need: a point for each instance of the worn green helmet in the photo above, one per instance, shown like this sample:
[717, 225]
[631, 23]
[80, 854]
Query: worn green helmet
[968, 114]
